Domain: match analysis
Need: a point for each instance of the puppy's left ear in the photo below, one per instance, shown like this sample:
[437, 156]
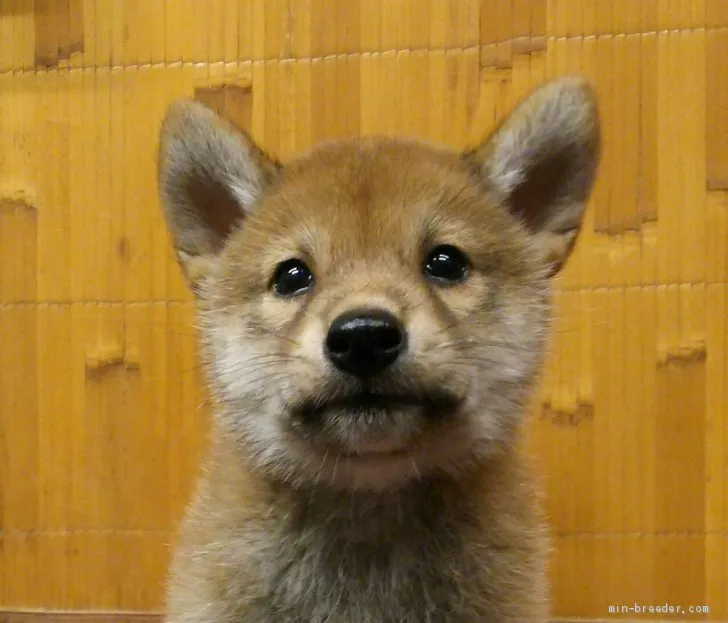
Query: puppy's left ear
[541, 164]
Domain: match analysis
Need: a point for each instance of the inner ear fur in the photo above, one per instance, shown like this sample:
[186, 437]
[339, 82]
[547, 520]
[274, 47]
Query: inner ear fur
[211, 175]
[541, 163]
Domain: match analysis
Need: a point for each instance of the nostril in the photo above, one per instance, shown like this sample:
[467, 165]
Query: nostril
[337, 343]
[388, 339]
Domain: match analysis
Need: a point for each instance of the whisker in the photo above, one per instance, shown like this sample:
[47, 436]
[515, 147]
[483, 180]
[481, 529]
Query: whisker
[332, 480]
[415, 469]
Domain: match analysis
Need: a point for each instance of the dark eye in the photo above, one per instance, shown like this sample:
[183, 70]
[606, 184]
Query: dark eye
[446, 264]
[292, 277]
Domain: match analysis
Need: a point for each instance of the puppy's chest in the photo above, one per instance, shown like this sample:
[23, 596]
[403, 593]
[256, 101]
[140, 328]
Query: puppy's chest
[412, 575]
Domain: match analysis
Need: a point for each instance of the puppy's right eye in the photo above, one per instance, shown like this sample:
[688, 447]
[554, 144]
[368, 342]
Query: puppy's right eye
[292, 277]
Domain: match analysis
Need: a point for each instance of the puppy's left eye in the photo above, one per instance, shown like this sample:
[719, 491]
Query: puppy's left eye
[446, 264]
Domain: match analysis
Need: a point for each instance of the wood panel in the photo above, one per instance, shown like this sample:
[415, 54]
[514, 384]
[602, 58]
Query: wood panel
[102, 410]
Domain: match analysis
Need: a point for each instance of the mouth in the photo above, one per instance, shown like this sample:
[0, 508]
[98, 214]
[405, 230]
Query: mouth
[432, 405]
[374, 437]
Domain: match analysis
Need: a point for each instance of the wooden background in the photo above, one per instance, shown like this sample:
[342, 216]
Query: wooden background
[102, 414]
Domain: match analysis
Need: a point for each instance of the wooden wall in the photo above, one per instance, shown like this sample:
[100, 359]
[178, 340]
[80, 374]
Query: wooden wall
[102, 414]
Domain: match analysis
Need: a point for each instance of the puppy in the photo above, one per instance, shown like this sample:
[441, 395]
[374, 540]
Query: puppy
[372, 319]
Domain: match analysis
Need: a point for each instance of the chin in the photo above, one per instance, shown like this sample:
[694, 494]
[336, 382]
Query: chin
[370, 471]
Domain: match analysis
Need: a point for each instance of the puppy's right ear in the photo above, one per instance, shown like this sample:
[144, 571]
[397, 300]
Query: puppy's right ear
[210, 176]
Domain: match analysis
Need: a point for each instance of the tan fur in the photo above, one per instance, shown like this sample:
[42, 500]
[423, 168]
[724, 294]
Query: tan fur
[397, 516]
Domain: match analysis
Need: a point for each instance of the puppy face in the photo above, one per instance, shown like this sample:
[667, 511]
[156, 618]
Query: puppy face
[374, 311]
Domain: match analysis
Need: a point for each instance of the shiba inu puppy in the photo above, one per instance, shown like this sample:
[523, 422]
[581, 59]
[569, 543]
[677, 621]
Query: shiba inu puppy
[372, 319]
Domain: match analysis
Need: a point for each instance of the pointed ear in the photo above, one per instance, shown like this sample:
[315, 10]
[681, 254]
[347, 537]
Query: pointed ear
[210, 176]
[541, 163]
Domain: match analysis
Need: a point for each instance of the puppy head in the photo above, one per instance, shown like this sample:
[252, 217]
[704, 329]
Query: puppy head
[374, 311]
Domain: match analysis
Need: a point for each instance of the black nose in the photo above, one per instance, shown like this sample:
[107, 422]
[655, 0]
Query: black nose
[363, 342]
